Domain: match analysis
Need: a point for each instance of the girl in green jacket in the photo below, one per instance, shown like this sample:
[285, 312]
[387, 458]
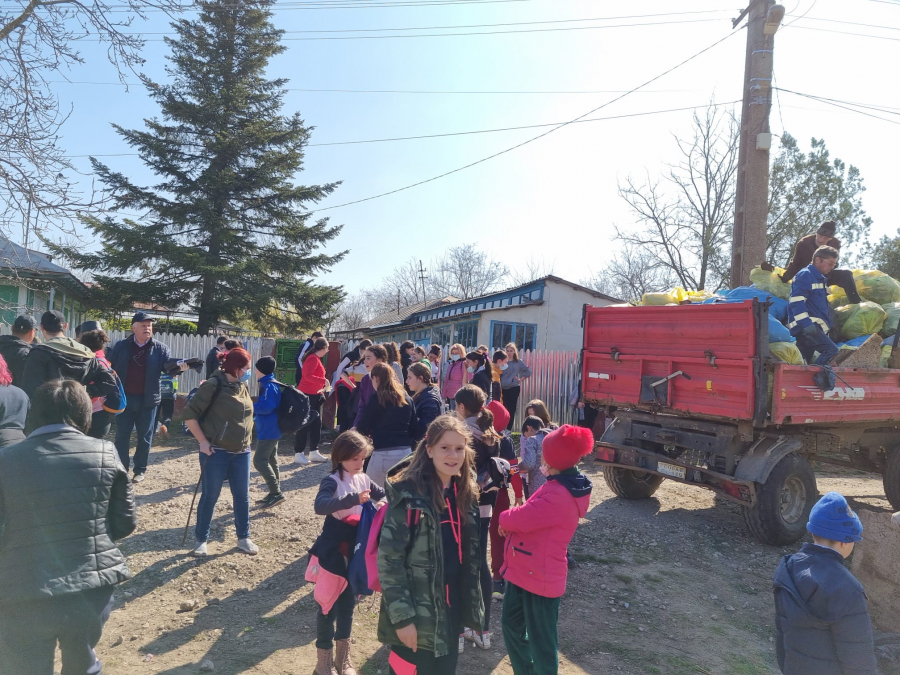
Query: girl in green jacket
[428, 555]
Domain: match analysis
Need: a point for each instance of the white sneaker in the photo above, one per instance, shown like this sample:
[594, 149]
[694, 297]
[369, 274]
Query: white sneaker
[482, 640]
[300, 458]
[316, 456]
[248, 547]
[200, 551]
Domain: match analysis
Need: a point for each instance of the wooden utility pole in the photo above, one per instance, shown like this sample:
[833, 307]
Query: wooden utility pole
[422, 277]
[752, 194]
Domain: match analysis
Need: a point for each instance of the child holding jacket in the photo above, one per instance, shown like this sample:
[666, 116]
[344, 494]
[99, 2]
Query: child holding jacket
[537, 538]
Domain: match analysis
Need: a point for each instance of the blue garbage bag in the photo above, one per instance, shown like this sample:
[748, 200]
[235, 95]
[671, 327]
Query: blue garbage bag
[778, 308]
[857, 342]
[356, 571]
[778, 332]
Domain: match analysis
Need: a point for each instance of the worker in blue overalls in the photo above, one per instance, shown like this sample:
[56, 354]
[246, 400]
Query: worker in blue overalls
[808, 317]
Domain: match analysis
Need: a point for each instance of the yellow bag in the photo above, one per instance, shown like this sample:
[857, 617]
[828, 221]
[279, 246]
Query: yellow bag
[699, 296]
[858, 320]
[787, 352]
[877, 286]
[673, 297]
[893, 319]
[770, 283]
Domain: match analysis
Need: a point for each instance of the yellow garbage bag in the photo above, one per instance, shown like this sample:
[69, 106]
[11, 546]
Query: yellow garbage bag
[770, 283]
[892, 320]
[699, 296]
[862, 319]
[787, 352]
[877, 286]
[673, 297]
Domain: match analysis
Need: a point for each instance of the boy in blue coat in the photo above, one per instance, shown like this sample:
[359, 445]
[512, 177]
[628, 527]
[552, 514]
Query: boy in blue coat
[265, 418]
[821, 616]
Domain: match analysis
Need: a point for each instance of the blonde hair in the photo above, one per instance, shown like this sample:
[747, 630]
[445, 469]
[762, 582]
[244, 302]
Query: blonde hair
[462, 350]
[420, 471]
[515, 356]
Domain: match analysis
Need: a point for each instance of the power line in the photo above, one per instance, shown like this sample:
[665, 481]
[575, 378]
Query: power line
[843, 32]
[837, 105]
[484, 25]
[343, 4]
[468, 133]
[495, 32]
[530, 140]
[849, 23]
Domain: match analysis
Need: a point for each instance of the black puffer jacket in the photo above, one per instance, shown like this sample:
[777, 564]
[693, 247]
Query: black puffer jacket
[13, 350]
[821, 617]
[428, 408]
[64, 499]
[61, 358]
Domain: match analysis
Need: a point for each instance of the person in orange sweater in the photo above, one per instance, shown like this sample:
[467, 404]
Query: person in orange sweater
[314, 384]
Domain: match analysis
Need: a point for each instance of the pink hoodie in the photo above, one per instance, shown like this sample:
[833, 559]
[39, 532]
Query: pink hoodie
[539, 533]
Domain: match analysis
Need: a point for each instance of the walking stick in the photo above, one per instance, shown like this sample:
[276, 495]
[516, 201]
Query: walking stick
[191, 510]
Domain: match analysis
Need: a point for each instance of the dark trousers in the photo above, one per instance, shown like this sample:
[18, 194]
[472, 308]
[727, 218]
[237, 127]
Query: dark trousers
[165, 410]
[341, 614]
[511, 402]
[497, 542]
[811, 341]
[101, 421]
[426, 663]
[313, 430]
[29, 632]
[265, 460]
[530, 631]
[135, 417]
[486, 581]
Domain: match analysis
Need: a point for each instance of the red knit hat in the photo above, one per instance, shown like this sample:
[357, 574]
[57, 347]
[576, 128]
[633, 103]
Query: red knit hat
[501, 415]
[564, 447]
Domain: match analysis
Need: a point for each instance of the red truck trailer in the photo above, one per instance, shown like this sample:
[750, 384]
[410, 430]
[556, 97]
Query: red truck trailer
[699, 400]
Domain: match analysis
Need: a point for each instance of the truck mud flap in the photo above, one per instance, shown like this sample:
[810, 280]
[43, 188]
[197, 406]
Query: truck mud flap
[739, 491]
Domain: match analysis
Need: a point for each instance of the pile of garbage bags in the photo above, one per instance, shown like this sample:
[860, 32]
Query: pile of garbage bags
[851, 324]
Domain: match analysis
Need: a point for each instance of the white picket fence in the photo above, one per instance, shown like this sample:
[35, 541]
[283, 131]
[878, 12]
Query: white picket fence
[553, 380]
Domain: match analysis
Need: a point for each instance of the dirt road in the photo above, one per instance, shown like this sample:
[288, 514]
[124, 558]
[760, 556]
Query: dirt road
[671, 585]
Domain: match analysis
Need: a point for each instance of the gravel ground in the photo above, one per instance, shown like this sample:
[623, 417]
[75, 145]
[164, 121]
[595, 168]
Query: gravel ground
[671, 585]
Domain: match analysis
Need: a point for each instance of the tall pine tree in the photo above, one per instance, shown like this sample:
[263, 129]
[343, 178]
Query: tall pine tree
[225, 229]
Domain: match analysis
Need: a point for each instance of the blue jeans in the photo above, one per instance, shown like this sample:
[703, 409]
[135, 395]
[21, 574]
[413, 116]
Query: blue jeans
[135, 416]
[813, 339]
[216, 468]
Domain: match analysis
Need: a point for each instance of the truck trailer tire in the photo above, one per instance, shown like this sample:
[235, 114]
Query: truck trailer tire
[783, 502]
[631, 484]
[891, 478]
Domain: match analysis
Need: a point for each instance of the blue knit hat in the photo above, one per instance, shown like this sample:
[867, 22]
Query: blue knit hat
[831, 518]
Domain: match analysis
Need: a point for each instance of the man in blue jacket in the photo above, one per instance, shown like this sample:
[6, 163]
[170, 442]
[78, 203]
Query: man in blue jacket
[808, 311]
[139, 361]
[265, 417]
[821, 617]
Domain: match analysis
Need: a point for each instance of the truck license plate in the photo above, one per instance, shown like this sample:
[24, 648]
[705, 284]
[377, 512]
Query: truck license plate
[671, 470]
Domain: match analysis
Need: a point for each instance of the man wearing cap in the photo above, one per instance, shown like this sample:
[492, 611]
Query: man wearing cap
[821, 617]
[62, 358]
[14, 348]
[139, 361]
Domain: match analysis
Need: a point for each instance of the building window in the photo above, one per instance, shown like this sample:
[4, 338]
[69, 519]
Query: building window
[440, 335]
[466, 334]
[523, 334]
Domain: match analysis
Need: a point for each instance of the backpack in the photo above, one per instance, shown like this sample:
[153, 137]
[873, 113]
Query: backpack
[122, 400]
[495, 475]
[293, 411]
[413, 516]
[166, 387]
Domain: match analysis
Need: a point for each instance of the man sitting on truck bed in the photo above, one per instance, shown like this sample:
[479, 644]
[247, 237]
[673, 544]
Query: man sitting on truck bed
[808, 318]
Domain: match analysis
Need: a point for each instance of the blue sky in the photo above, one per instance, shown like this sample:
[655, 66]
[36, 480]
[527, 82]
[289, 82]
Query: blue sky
[555, 199]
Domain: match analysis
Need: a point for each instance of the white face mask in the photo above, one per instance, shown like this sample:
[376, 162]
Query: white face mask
[454, 357]
[545, 470]
[504, 366]
[470, 369]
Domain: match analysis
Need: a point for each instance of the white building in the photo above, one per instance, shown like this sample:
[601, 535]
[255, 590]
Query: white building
[542, 314]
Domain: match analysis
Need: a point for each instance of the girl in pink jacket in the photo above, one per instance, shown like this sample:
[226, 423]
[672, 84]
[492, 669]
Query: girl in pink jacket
[537, 538]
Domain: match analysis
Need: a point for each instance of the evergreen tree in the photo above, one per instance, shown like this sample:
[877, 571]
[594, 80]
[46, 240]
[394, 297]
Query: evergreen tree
[225, 229]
